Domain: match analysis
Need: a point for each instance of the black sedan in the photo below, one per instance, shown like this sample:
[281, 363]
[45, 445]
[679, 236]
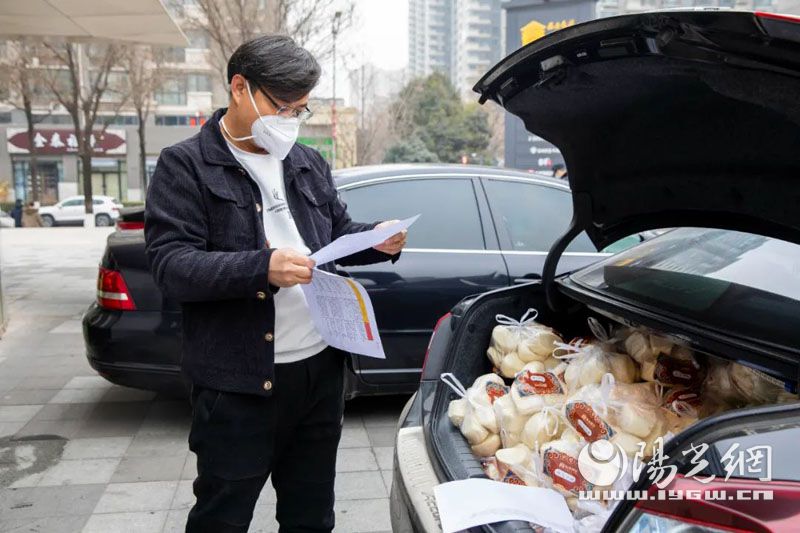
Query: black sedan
[480, 229]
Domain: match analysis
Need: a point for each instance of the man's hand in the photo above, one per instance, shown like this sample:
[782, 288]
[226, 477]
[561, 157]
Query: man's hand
[289, 267]
[394, 244]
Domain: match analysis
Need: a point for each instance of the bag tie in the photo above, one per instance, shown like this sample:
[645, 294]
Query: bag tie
[526, 319]
[452, 381]
[607, 385]
[551, 418]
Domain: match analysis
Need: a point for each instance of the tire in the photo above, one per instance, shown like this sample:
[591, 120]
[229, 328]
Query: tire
[102, 220]
[48, 221]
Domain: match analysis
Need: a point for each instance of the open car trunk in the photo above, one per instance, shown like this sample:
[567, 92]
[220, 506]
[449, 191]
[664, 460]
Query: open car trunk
[467, 360]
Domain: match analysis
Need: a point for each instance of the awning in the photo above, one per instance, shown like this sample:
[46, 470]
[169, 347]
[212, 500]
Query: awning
[139, 21]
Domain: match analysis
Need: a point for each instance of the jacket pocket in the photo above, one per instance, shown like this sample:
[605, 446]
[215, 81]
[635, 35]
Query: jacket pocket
[230, 217]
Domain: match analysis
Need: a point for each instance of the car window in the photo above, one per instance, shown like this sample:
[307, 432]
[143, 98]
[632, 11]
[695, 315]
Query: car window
[97, 202]
[728, 280]
[532, 216]
[73, 202]
[448, 207]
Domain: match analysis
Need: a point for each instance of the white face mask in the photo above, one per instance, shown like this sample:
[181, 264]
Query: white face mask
[273, 133]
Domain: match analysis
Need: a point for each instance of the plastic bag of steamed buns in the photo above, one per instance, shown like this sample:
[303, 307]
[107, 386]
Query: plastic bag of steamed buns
[663, 361]
[516, 343]
[475, 416]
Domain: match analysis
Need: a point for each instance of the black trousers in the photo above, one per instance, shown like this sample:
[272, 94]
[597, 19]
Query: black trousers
[241, 439]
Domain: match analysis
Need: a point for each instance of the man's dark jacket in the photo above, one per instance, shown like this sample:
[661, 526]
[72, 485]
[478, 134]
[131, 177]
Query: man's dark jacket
[207, 249]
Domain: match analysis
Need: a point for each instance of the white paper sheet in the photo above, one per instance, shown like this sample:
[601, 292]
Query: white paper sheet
[343, 315]
[474, 502]
[355, 242]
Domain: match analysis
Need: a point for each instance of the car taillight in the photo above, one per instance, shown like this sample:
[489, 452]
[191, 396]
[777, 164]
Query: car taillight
[430, 342]
[112, 292]
[738, 505]
[122, 225]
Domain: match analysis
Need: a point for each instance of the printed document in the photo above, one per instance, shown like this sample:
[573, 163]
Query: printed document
[343, 314]
[355, 242]
[474, 502]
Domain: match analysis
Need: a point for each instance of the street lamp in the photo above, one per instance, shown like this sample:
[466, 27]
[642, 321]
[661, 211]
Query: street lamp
[337, 21]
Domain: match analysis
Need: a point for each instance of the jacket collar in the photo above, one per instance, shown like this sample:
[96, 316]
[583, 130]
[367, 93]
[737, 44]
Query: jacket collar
[216, 152]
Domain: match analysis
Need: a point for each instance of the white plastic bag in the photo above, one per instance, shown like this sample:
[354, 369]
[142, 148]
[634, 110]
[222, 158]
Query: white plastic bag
[533, 391]
[516, 343]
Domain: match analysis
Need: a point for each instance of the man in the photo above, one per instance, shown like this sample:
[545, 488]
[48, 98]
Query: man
[232, 215]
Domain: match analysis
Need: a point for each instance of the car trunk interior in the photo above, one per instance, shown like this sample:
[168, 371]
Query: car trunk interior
[468, 360]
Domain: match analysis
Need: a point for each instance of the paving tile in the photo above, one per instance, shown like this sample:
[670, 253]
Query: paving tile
[355, 460]
[78, 396]
[79, 472]
[381, 436]
[27, 396]
[47, 382]
[153, 445]
[125, 394]
[65, 411]
[184, 496]
[167, 418]
[10, 428]
[31, 480]
[113, 420]
[63, 428]
[189, 467]
[359, 486]
[360, 516]
[381, 419]
[355, 437]
[141, 522]
[68, 326]
[176, 521]
[40, 502]
[388, 476]
[133, 469]
[59, 524]
[385, 457]
[136, 497]
[264, 519]
[98, 448]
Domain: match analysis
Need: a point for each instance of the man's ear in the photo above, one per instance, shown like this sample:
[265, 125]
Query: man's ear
[238, 89]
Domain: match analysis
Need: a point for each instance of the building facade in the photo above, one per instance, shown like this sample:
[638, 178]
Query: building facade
[460, 38]
[192, 88]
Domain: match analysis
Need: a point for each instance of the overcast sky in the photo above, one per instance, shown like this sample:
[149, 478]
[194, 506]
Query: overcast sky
[379, 36]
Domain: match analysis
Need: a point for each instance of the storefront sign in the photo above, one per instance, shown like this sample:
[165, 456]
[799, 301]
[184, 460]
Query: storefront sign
[65, 141]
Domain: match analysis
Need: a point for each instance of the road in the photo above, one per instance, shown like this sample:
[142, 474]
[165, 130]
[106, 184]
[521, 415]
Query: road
[78, 454]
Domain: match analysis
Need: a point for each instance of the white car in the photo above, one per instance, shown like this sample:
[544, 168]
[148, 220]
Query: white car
[71, 211]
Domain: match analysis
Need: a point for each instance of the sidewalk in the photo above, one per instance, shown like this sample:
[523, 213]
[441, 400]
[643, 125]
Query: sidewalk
[78, 454]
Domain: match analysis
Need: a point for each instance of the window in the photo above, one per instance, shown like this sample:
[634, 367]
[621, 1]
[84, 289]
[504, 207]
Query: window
[118, 120]
[531, 217]
[180, 120]
[72, 203]
[197, 39]
[448, 207]
[43, 118]
[199, 82]
[174, 54]
[172, 92]
[97, 202]
[5, 118]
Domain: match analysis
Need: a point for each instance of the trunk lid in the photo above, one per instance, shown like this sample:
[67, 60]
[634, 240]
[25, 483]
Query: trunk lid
[667, 119]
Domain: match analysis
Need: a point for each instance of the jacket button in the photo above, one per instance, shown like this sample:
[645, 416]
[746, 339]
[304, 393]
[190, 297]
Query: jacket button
[268, 385]
[258, 207]
[241, 170]
[269, 337]
[261, 295]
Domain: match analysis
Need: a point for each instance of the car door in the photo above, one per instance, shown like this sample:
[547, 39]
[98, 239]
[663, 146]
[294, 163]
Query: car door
[72, 210]
[449, 255]
[529, 216]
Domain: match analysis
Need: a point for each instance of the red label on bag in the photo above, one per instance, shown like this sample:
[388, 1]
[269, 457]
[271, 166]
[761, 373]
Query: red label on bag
[538, 383]
[687, 396]
[563, 470]
[587, 422]
[512, 478]
[495, 391]
[671, 371]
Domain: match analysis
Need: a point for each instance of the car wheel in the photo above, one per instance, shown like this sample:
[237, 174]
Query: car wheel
[102, 220]
[48, 221]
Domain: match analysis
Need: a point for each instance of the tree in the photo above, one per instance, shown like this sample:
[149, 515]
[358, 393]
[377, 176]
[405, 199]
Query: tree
[411, 150]
[431, 109]
[145, 77]
[82, 100]
[22, 80]
[229, 23]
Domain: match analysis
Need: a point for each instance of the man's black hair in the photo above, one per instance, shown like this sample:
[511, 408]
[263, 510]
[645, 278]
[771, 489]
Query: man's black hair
[276, 64]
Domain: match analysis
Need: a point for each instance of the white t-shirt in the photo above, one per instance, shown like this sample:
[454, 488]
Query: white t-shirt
[296, 338]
